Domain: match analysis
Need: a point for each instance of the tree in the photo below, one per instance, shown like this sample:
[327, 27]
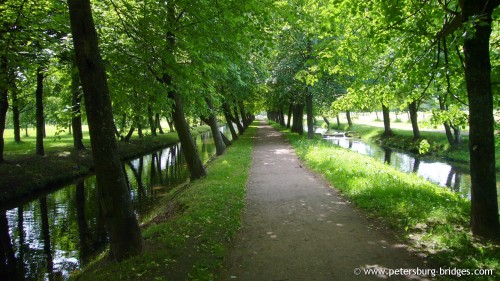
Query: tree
[477, 18]
[120, 220]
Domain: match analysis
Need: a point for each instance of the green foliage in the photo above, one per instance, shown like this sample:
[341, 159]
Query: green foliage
[423, 147]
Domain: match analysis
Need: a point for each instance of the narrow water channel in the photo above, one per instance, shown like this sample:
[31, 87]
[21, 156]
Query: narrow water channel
[57, 233]
[456, 177]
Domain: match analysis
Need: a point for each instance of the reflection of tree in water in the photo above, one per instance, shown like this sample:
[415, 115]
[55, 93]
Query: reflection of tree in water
[387, 155]
[8, 262]
[453, 180]
[46, 237]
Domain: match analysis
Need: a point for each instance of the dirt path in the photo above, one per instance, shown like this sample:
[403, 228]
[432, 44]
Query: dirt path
[295, 227]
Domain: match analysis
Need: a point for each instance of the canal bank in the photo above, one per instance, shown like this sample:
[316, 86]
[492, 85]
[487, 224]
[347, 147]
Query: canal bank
[58, 232]
[23, 175]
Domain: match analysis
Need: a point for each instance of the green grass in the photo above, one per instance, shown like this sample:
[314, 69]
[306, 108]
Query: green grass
[433, 219]
[403, 139]
[190, 242]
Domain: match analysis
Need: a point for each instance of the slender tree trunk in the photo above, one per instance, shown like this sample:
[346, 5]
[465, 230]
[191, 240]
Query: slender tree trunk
[227, 113]
[413, 111]
[16, 114]
[158, 123]
[4, 102]
[348, 116]
[484, 204]
[227, 142]
[237, 120]
[119, 218]
[327, 122]
[211, 120]
[282, 118]
[387, 121]
[188, 147]
[234, 135]
[76, 102]
[40, 122]
[152, 123]
[310, 117]
[290, 112]
[170, 125]
[338, 122]
[129, 134]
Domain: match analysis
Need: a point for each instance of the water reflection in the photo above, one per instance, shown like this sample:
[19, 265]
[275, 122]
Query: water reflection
[59, 232]
[455, 177]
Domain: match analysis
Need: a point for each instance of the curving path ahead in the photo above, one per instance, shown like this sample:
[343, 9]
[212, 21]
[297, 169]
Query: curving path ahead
[296, 227]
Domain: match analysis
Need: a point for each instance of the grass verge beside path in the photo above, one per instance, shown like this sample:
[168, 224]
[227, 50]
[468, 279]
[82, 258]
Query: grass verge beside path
[187, 237]
[434, 220]
[23, 173]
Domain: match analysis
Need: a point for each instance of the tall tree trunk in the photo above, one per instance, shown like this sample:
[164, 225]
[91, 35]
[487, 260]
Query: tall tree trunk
[327, 122]
[446, 124]
[76, 104]
[310, 117]
[4, 102]
[158, 123]
[227, 113]
[15, 113]
[211, 120]
[234, 135]
[413, 111]
[188, 147]
[348, 116]
[40, 122]
[170, 125]
[289, 117]
[119, 218]
[298, 119]
[152, 123]
[338, 122]
[387, 120]
[237, 120]
[484, 204]
[129, 134]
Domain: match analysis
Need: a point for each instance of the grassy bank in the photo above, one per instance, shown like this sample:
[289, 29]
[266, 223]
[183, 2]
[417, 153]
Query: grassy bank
[187, 235]
[434, 220]
[24, 172]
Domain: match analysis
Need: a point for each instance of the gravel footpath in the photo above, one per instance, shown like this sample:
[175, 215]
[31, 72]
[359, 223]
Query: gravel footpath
[296, 227]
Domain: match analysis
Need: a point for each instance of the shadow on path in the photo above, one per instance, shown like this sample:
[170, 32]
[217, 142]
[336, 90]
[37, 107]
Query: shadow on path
[295, 227]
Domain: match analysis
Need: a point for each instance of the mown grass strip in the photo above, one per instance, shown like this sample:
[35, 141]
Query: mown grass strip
[432, 218]
[190, 243]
